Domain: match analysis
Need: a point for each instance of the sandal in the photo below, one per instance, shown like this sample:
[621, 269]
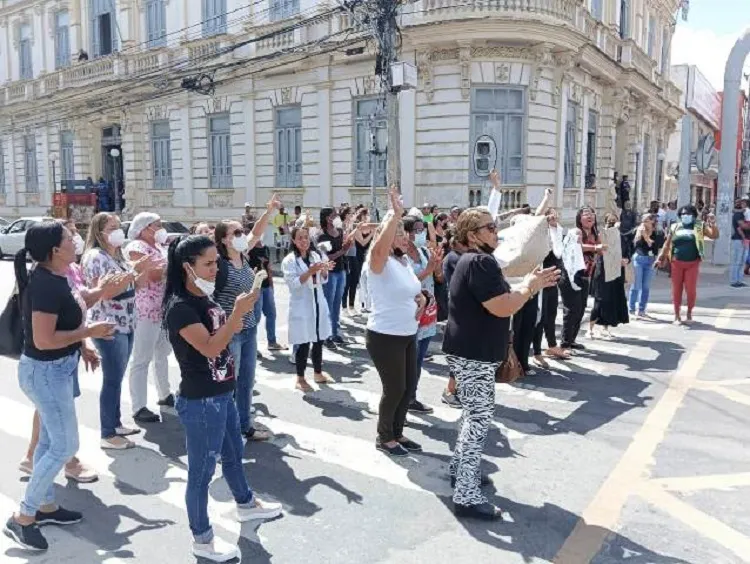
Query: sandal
[80, 473]
[558, 352]
[541, 362]
[323, 378]
[303, 387]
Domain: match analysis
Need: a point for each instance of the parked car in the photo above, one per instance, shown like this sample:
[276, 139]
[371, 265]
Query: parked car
[12, 237]
[174, 229]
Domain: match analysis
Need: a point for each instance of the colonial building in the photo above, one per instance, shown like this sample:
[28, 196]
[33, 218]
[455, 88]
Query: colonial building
[564, 92]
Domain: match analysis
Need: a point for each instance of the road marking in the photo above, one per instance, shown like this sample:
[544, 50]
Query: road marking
[699, 483]
[708, 526]
[603, 513]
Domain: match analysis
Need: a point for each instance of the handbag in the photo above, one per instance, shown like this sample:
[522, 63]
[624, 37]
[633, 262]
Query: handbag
[510, 369]
[430, 314]
[11, 328]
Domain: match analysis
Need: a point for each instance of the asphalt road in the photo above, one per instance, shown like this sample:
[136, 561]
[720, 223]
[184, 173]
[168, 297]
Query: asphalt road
[635, 451]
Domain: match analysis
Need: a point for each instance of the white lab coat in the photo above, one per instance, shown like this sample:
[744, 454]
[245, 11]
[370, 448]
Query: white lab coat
[302, 297]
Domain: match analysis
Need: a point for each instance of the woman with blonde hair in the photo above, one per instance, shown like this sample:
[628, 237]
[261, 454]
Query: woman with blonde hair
[103, 258]
[481, 304]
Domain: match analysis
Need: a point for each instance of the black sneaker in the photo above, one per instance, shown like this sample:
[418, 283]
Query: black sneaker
[167, 401]
[145, 415]
[397, 450]
[61, 516]
[418, 407]
[339, 340]
[28, 536]
[451, 400]
[576, 346]
[330, 344]
[483, 511]
[411, 446]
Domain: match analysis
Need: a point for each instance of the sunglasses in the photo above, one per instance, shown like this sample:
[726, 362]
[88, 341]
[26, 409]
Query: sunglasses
[238, 232]
[491, 226]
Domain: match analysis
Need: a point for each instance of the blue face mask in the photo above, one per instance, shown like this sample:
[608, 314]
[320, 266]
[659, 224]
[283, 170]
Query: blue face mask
[420, 239]
[687, 220]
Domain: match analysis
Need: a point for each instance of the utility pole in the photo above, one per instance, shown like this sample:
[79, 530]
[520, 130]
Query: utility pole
[745, 167]
[387, 28]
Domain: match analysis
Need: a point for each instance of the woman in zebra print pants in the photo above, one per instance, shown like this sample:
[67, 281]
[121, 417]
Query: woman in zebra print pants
[481, 304]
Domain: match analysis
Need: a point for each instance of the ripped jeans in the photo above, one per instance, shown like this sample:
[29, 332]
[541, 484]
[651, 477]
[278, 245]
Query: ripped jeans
[212, 429]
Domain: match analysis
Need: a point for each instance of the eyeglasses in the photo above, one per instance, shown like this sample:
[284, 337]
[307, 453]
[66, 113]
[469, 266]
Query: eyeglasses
[491, 226]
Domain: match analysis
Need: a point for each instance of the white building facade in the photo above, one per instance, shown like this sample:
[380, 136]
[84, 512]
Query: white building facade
[570, 92]
[702, 118]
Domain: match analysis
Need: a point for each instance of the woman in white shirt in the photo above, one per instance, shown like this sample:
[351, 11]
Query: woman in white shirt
[305, 273]
[397, 304]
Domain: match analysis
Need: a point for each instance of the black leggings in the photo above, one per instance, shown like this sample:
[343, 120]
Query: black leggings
[354, 272]
[395, 358]
[574, 306]
[524, 322]
[546, 326]
[300, 359]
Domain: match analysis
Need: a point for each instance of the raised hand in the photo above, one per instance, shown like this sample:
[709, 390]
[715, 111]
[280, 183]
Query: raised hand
[274, 203]
[495, 178]
[396, 201]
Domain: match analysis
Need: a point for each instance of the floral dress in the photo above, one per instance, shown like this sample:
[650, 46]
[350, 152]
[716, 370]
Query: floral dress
[148, 297]
[119, 310]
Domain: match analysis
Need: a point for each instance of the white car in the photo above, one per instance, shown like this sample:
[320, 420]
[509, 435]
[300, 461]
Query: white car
[12, 237]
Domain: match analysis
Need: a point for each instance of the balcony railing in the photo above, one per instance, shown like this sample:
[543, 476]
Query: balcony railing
[564, 10]
[97, 70]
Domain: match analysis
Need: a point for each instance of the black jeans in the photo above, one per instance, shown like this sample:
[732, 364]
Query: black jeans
[524, 321]
[395, 358]
[546, 326]
[354, 272]
[574, 306]
[300, 357]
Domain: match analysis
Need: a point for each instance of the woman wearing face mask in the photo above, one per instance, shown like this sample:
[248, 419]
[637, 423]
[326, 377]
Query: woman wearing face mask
[150, 342]
[481, 304]
[305, 272]
[55, 332]
[684, 250]
[333, 234]
[200, 332]
[103, 258]
[391, 337]
[426, 265]
[108, 287]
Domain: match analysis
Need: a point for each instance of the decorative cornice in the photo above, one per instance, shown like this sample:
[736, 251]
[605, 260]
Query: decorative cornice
[501, 52]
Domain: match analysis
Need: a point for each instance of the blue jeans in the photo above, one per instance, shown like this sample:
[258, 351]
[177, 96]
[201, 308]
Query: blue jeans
[422, 346]
[244, 349]
[268, 308]
[50, 386]
[212, 429]
[115, 354]
[643, 267]
[737, 263]
[333, 290]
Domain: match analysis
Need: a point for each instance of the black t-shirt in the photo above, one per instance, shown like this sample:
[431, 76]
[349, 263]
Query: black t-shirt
[201, 377]
[49, 293]
[260, 258]
[737, 218]
[473, 332]
[449, 266]
[643, 248]
[337, 243]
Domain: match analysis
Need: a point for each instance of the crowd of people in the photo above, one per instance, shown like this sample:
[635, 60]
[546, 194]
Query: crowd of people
[126, 307]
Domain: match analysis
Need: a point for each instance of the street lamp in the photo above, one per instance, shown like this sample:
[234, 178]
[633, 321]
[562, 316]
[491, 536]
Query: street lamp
[114, 152]
[637, 148]
[53, 160]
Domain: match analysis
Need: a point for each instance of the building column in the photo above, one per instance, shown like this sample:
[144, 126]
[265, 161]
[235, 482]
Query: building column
[325, 191]
[38, 42]
[45, 166]
[11, 180]
[132, 156]
[563, 113]
[248, 111]
[186, 141]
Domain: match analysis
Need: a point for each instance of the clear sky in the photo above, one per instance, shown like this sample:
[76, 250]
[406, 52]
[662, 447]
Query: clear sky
[709, 34]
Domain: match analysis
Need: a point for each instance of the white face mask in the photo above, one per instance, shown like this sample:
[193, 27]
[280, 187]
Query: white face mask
[420, 239]
[117, 238]
[337, 223]
[78, 242]
[160, 237]
[239, 243]
[205, 286]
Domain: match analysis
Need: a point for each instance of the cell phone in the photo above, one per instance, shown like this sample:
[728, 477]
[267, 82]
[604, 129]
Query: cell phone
[260, 277]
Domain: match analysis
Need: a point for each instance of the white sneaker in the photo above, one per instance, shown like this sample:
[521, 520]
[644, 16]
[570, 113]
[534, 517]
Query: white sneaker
[117, 443]
[261, 510]
[216, 551]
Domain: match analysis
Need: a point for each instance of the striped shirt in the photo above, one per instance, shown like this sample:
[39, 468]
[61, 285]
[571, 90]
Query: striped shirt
[239, 280]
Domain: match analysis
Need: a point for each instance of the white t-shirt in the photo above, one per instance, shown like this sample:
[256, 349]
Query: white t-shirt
[392, 294]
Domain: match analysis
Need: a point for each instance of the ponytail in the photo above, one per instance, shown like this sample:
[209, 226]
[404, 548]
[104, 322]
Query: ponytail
[181, 250]
[22, 273]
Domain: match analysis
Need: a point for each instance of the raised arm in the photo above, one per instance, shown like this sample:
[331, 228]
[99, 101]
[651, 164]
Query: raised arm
[381, 248]
[260, 226]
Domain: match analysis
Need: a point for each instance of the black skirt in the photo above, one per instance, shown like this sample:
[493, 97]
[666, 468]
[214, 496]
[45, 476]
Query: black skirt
[610, 302]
